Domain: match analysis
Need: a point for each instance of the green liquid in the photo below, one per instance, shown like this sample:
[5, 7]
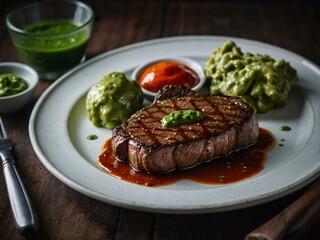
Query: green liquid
[285, 128]
[48, 52]
[92, 137]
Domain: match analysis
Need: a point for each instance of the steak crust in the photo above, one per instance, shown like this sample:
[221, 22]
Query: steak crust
[228, 124]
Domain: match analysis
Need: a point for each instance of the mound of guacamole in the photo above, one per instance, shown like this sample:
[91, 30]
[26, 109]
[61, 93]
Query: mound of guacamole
[113, 100]
[261, 81]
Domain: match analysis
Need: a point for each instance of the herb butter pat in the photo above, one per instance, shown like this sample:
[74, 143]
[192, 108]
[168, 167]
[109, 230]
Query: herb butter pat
[261, 81]
[113, 100]
[180, 117]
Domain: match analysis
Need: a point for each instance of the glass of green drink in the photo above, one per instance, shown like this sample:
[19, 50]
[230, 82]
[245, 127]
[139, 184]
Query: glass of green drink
[51, 36]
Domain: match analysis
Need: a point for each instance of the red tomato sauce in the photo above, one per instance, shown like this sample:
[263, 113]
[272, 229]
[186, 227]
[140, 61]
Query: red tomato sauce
[165, 73]
[232, 168]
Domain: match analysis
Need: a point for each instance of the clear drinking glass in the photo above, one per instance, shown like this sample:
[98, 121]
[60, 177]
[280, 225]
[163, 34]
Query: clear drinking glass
[51, 36]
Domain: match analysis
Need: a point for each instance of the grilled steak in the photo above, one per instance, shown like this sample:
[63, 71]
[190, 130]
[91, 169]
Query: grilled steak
[228, 124]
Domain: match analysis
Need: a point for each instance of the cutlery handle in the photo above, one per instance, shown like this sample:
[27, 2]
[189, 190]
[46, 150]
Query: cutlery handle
[25, 218]
[277, 226]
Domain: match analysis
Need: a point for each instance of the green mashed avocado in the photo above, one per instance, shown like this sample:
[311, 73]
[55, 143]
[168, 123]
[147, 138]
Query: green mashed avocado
[113, 100]
[261, 81]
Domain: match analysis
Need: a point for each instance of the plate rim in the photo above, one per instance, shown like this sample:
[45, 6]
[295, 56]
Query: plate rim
[154, 208]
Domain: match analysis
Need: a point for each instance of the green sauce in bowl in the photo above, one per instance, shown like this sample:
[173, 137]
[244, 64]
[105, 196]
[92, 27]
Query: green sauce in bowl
[11, 84]
[53, 46]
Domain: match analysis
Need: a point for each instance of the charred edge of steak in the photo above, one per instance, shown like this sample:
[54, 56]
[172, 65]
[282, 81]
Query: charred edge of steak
[120, 142]
[171, 91]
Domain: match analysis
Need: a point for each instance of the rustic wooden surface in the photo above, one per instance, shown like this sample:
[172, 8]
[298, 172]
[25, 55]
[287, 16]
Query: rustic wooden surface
[67, 214]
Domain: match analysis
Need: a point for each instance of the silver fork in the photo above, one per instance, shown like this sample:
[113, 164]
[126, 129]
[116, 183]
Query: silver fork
[25, 218]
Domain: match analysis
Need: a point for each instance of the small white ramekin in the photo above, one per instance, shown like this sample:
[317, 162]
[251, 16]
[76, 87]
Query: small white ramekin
[13, 103]
[194, 65]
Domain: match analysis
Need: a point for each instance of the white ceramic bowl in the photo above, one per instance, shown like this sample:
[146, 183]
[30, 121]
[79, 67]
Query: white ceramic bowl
[13, 103]
[186, 61]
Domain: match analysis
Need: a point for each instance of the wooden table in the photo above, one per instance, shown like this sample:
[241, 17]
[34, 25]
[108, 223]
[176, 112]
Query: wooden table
[67, 214]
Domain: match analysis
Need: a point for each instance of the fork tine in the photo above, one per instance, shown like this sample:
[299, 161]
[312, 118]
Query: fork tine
[3, 131]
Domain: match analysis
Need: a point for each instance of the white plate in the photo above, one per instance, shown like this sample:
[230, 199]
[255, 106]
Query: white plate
[59, 128]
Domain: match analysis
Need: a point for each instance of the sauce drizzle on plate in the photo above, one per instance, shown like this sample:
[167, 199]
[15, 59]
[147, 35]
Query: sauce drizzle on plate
[232, 168]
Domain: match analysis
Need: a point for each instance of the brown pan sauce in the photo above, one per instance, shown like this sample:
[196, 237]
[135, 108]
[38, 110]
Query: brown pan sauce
[236, 166]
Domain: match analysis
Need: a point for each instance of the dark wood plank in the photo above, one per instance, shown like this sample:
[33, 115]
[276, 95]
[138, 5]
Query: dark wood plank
[124, 23]
[291, 26]
[135, 225]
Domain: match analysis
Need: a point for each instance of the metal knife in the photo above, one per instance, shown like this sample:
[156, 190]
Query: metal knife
[25, 217]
